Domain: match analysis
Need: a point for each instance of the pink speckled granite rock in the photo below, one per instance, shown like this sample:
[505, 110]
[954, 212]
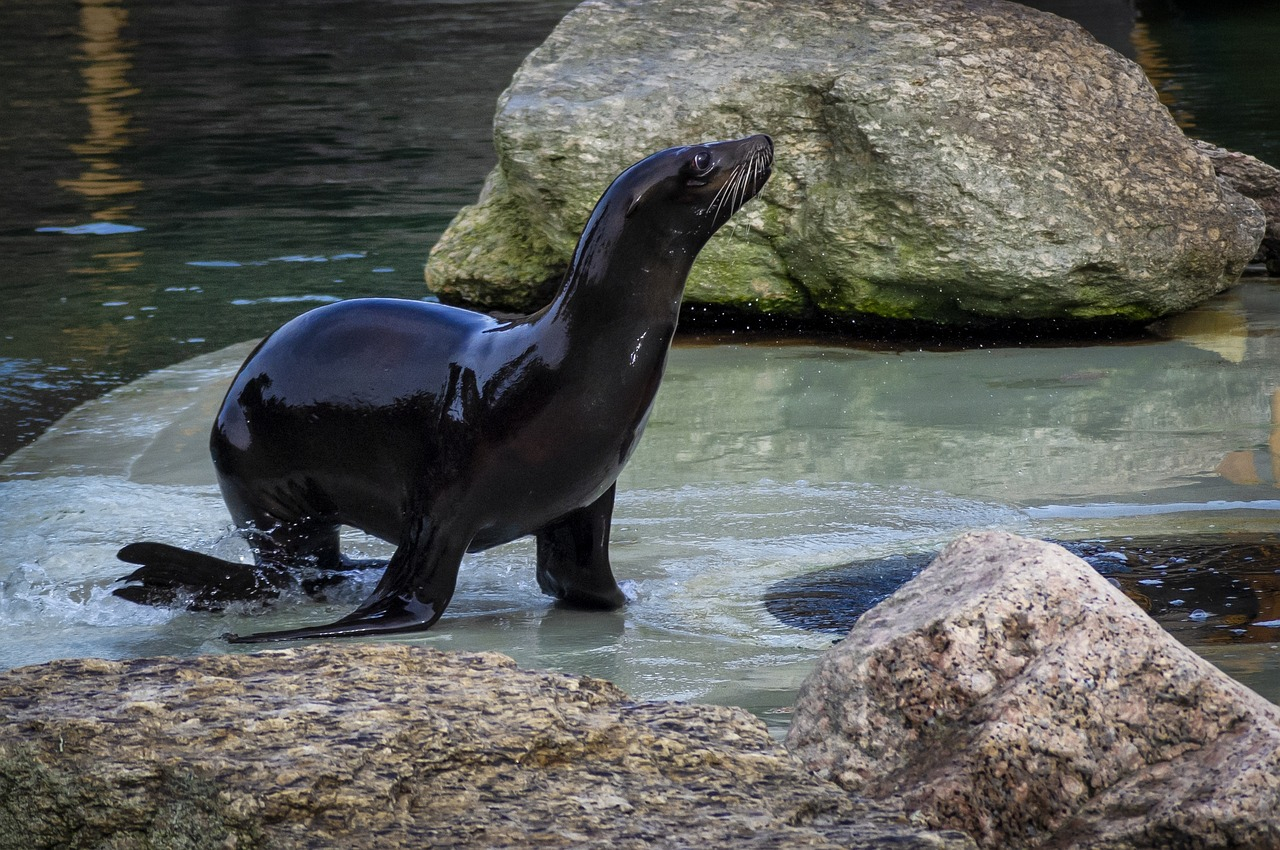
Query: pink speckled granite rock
[1011, 692]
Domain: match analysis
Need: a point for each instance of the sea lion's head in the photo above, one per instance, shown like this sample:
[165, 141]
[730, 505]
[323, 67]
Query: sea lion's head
[693, 189]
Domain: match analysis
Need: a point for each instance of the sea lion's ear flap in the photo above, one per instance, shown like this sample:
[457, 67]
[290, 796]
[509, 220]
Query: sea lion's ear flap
[634, 205]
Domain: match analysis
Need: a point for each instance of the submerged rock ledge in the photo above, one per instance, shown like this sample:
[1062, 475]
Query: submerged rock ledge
[383, 746]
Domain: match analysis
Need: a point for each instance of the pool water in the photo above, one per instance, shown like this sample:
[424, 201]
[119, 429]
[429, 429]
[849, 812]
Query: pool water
[179, 181]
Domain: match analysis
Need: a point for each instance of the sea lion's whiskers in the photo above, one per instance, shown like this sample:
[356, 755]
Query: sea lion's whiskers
[726, 199]
[742, 179]
[718, 200]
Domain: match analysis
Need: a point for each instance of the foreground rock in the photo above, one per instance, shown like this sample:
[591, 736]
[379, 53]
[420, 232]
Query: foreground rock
[936, 160]
[389, 746]
[1012, 692]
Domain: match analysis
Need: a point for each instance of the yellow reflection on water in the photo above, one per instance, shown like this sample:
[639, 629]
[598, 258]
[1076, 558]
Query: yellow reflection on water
[105, 57]
[104, 339]
[111, 262]
[1150, 55]
[1221, 326]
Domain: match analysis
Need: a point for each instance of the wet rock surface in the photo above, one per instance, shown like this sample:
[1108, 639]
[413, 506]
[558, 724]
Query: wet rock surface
[1012, 692]
[936, 160]
[384, 746]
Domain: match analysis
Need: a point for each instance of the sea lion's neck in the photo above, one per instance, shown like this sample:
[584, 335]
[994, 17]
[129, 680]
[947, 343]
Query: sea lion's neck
[625, 273]
[616, 312]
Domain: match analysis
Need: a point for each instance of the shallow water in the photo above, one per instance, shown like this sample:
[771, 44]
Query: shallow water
[762, 462]
[179, 181]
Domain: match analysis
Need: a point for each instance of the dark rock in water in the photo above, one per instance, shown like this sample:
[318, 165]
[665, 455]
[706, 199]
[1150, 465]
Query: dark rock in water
[1202, 588]
[383, 746]
[833, 599]
[1012, 692]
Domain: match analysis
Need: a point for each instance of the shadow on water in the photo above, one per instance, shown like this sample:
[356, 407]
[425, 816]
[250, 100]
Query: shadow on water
[1203, 589]
[702, 324]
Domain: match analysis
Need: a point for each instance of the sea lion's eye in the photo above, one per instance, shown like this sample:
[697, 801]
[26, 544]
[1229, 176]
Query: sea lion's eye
[702, 162]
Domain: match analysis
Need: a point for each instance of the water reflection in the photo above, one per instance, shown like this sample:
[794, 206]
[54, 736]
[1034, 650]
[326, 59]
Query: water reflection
[107, 195]
[1150, 55]
[1257, 466]
[225, 134]
[1021, 426]
[1198, 46]
[1189, 51]
[105, 59]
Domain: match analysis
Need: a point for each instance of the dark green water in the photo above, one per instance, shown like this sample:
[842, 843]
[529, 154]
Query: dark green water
[262, 157]
[1215, 64]
[236, 162]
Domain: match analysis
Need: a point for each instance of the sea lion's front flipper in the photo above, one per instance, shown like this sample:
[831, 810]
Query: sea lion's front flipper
[413, 593]
[573, 557]
[166, 573]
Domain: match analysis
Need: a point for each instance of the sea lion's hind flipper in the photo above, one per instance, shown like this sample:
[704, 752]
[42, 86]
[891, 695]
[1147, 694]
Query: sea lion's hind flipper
[573, 557]
[166, 573]
[413, 593]
[392, 615]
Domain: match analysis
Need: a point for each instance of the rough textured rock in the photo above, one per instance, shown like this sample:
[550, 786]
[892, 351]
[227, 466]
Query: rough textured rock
[937, 160]
[1259, 182]
[389, 746]
[1011, 691]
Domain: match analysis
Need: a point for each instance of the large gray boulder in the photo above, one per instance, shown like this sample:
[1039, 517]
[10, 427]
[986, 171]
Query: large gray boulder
[389, 746]
[937, 160]
[1011, 691]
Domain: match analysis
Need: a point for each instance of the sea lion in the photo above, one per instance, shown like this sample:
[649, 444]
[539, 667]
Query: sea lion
[447, 431]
